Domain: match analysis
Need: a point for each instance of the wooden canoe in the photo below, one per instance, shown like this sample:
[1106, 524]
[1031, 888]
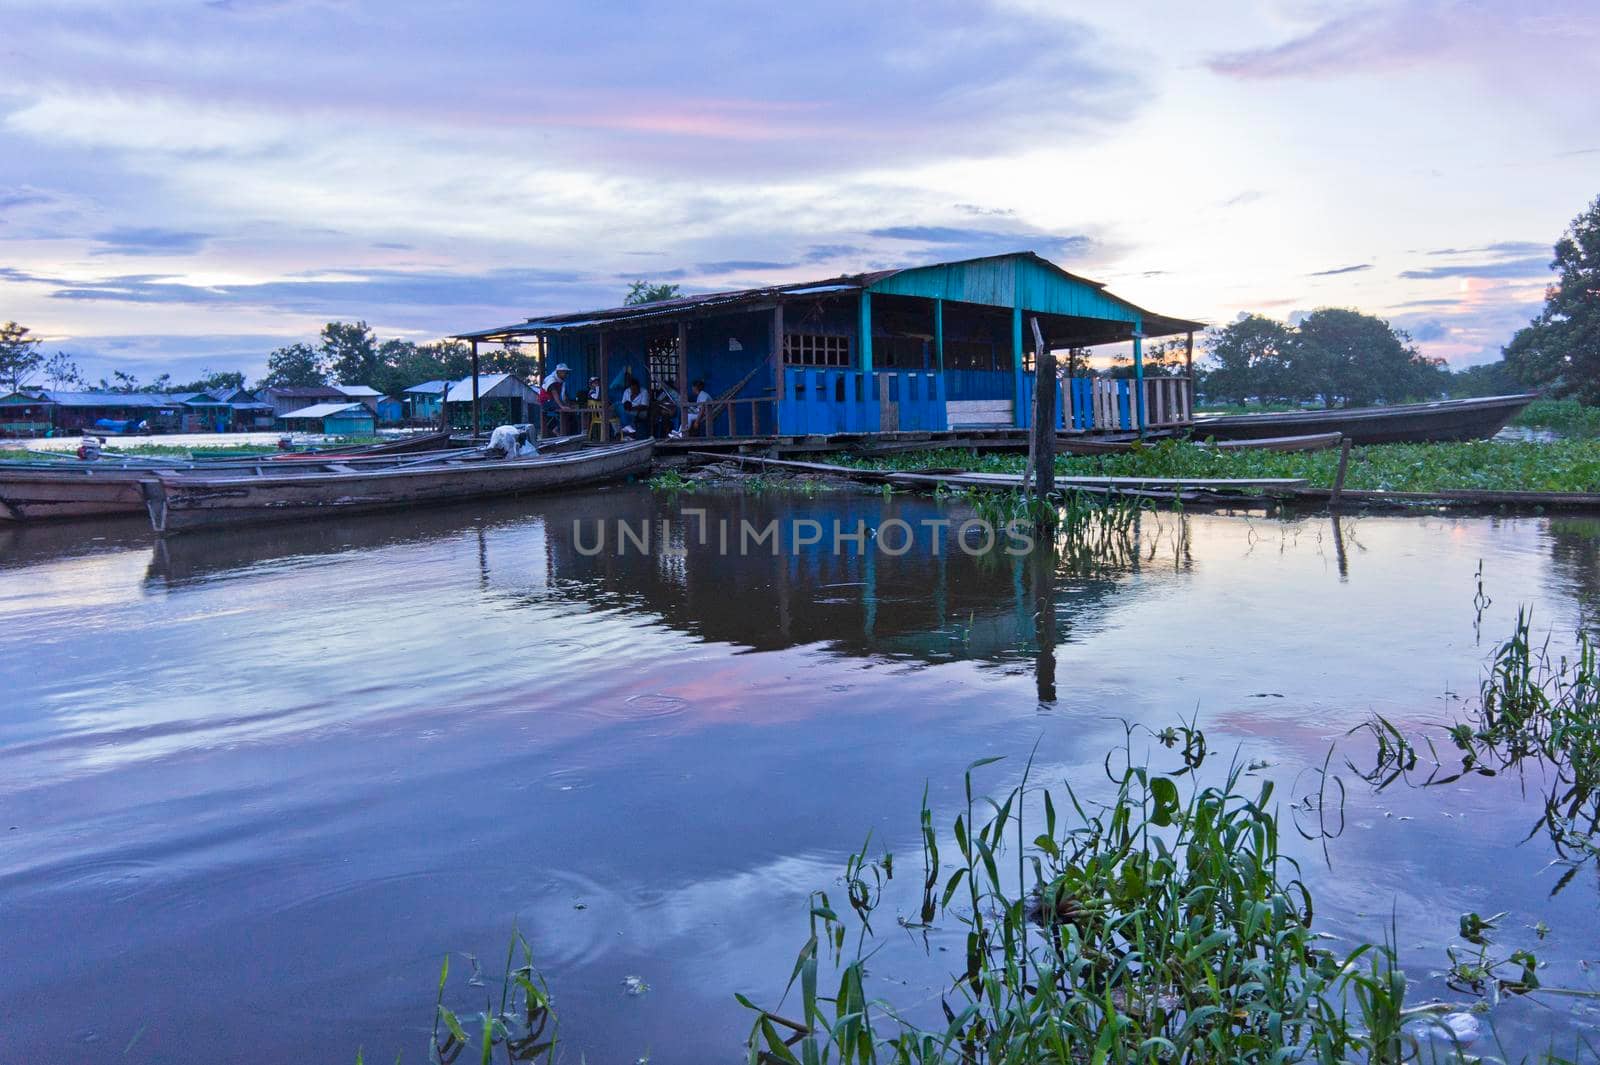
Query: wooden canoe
[46, 490]
[1449, 419]
[1305, 442]
[178, 503]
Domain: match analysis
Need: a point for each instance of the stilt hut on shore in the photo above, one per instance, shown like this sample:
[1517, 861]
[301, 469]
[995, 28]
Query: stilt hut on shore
[926, 349]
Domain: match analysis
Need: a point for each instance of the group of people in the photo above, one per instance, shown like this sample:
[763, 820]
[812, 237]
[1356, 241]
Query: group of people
[642, 410]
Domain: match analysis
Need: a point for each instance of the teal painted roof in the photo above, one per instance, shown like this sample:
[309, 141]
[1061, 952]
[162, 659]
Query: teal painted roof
[1022, 279]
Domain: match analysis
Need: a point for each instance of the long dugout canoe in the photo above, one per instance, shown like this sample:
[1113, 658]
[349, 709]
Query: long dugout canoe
[183, 502]
[1448, 419]
[45, 491]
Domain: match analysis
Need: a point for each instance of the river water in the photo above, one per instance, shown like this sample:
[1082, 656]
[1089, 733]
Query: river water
[254, 787]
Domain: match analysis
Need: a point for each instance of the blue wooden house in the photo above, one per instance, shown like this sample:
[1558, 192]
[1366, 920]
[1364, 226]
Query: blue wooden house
[925, 349]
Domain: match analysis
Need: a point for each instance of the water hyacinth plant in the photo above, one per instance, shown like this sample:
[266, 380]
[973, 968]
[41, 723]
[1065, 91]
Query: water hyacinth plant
[1154, 927]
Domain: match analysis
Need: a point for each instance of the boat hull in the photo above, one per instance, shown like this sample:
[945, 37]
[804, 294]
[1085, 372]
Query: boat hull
[184, 502]
[1461, 419]
[45, 495]
[45, 491]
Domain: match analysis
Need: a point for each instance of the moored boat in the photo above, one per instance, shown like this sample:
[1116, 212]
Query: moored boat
[181, 502]
[46, 490]
[1447, 419]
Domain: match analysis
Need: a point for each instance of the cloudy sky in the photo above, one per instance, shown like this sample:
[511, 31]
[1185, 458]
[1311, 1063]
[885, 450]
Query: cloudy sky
[187, 184]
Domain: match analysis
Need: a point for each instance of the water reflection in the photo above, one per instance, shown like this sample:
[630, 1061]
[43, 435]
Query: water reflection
[352, 745]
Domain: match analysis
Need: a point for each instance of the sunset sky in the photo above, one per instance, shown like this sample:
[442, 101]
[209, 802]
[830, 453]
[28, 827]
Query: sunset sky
[186, 185]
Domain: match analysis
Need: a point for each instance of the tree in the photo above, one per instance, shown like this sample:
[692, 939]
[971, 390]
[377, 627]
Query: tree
[1489, 379]
[350, 352]
[62, 372]
[512, 358]
[645, 292]
[294, 364]
[1560, 349]
[1358, 359]
[403, 364]
[19, 355]
[1161, 359]
[222, 381]
[1249, 357]
[122, 381]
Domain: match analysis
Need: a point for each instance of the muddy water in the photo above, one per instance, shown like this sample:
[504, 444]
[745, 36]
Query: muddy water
[253, 788]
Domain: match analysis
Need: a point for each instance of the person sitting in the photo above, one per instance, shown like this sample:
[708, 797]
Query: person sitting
[695, 420]
[634, 407]
[593, 408]
[555, 396]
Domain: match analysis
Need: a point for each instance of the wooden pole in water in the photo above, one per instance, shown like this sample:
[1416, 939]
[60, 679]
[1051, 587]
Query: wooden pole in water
[1338, 480]
[476, 424]
[1044, 415]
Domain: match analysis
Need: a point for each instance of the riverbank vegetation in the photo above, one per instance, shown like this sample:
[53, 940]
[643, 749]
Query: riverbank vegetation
[1569, 417]
[1498, 465]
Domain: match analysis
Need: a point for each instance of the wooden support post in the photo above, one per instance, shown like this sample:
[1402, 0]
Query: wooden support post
[865, 331]
[777, 373]
[683, 375]
[1044, 415]
[476, 425]
[1138, 375]
[541, 361]
[444, 405]
[938, 332]
[1338, 478]
[1016, 366]
[1188, 370]
[605, 391]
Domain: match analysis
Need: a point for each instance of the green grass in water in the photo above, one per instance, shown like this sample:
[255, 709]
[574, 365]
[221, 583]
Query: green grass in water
[1566, 416]
[1556, 466]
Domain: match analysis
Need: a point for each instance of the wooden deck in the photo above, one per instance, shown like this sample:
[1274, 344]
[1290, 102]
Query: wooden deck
[881, 443]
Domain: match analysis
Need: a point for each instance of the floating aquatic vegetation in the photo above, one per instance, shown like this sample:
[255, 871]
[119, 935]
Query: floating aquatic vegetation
[1151, 928]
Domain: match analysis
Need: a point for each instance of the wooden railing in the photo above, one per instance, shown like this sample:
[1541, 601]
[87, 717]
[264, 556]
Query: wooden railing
[1111, 404]
[740, 417]
[1168, 401]
[826, 402]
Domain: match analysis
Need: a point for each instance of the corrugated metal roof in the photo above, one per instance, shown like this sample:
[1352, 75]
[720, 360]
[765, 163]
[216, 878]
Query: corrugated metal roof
[432, 388]
[356, 390]
[488, 385]
[1155, 325]
[110, 399]
[324, 410]
[302, 391]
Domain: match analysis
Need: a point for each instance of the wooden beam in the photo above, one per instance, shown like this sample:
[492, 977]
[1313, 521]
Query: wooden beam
[777, 369]
[1017, 389]
[605, 416]
[475, 421]
[683, 373]
[865, 332]
[938, 332]
[1044, 415]
[1138, 376]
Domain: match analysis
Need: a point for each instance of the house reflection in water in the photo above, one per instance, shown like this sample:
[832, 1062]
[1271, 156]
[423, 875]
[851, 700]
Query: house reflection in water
[1003, 608]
